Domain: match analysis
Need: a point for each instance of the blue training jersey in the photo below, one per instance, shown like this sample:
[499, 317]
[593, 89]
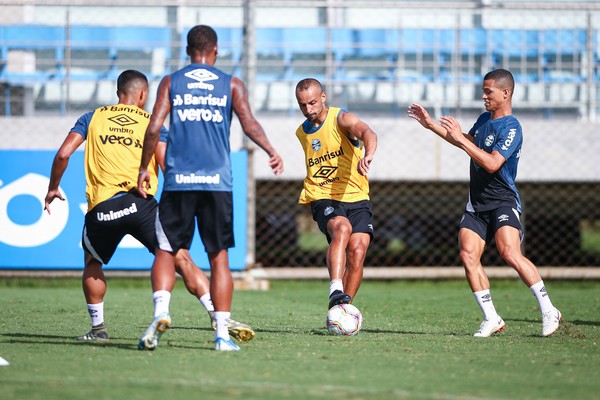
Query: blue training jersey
[490, 191]
[198, 150]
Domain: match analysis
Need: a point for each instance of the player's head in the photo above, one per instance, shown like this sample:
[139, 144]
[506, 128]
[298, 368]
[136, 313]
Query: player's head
[311, 99]
[202, 40]
[503, 78]
[132, 87]
[498, 88]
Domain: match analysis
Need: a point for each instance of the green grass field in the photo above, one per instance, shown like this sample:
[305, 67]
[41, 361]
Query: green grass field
[416, 343]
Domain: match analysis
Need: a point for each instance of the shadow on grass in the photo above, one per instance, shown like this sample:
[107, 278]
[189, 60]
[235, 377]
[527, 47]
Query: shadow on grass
[114, 342]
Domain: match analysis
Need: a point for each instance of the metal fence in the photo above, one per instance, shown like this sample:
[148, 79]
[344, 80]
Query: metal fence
[374, 57]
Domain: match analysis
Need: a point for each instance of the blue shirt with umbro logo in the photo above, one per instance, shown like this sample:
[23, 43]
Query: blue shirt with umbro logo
[490, 191]
[198, 150]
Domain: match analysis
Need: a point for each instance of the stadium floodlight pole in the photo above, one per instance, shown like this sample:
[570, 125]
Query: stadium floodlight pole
[249, 77]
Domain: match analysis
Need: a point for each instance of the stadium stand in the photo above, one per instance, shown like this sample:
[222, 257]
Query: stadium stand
[372, 66]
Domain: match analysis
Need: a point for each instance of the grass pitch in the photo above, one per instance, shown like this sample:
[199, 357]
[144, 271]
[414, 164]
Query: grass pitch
[416, 343]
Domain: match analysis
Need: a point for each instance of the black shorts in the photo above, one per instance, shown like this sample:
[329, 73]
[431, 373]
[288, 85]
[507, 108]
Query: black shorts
[487, 223]
[359, 214]
[108, 222]
[178, 212]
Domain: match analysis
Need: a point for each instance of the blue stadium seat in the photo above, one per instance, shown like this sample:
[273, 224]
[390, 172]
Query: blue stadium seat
[45, 43]
[342, 43]
[230, 43]
[473, 41]
[365, 54]
[562, 53]
[305, 52]
[563, 41]
[270, 54]
[513, 42]
[100, 52]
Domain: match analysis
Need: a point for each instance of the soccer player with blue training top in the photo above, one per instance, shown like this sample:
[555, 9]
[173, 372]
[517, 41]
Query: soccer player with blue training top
[200, 100]
[494, 206]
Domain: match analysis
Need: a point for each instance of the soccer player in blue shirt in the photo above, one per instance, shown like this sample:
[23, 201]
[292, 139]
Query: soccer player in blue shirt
[200, 100]
[494, 206]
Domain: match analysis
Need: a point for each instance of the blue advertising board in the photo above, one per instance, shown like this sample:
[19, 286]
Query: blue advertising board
[30, 238]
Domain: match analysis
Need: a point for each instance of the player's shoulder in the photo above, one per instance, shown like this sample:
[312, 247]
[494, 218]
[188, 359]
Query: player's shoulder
[510, 122]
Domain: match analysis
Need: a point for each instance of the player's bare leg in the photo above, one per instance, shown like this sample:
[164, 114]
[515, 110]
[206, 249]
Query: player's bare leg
[508, 241]
[339, 229]
[471, 250]
[221, 291]
[94, 289]
[357, 252]
[163, 281]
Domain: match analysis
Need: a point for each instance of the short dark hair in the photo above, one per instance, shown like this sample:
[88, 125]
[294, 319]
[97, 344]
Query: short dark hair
[202, 38]
[306, 83]
[129, 80]
[503, 77]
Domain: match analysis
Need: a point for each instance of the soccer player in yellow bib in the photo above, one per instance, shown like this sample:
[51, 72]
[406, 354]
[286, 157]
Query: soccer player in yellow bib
[338, 149]
[114, 137]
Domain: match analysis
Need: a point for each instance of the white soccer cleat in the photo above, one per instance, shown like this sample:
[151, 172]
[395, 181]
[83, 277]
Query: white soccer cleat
[238, 330]
[225, 345]
[551, 321]
[489, 327]
[151, 337]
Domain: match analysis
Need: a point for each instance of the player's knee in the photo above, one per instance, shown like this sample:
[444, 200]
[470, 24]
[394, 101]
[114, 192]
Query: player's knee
[357, 254]
[511, 256]
[469, 258]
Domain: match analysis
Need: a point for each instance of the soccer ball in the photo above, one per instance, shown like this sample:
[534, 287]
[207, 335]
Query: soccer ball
[344, 319]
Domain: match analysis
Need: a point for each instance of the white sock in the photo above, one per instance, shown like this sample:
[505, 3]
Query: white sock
[539, 291]
[161, 298]
[335, 284]
[484, 299]
[207, 302]
[96, 312]
[222, 330]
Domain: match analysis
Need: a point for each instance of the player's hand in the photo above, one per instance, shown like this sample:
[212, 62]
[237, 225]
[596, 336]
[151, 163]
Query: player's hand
[455, 134]
[364, 165]
[276, 164]
[419, 113]
[50, 196]
[143, 183]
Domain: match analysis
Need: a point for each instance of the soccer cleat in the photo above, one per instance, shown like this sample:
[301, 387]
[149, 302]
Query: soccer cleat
[489, 327]
[225, 345]
[551, 321]
[339, 297]
[151, 337]
[238, 330]
[98, 333]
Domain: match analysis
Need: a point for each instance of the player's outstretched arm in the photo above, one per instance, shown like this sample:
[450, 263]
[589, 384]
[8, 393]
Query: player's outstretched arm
[420, 114]
[250, 126]
[59, 165]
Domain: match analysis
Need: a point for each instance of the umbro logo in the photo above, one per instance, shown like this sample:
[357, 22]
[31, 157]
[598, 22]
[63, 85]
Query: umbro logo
[543, 291]
[325, 172]
[328, 211]
[201, 75]
[486, 298]
[123, 120]
[503, 218]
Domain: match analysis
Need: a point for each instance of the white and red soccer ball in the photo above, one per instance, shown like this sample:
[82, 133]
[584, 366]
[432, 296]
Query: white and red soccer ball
[344, 319]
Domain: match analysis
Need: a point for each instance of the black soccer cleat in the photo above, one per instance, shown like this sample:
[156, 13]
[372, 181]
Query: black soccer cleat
[339, 297]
